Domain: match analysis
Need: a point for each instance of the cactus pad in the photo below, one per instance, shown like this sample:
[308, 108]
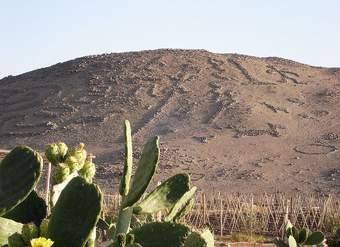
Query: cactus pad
[204, 239]
[75, 214]
[32, 209]
[145, 171]
[20, 171]
[165, 195]
[315, 238]
[125, 182]
[180, 207]
[163, 234]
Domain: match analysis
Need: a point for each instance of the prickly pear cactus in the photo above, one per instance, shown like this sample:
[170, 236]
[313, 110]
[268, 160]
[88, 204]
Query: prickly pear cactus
[56, 152]
[125, 181]
[182, 206]
[43, 228]
[75, 158]
[58, 188]
[196, 239]
[20, 171]
[32, 209]
[294, 237]
[88, 171]
[163, 234]
[60, 173]
[7, 228]
[29, 231]
[165, 196]
[75, 214]
[145, 170]
[16, 240]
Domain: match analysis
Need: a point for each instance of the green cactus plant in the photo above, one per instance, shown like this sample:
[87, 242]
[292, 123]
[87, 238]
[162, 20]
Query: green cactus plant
[293, 237]
[29, 231]
[20, 171]
[174, 195]
[77, 202]
[60, 173]
[196, 239]
[56, 152]
[165, 196]
[68, 163]
[16, 240]
[43, 228]
[88, 171]
[180, 207]
[75, 158]
[165, 234]
[146, 168]
[125, 181]
[7, 228]
[32, 209]
[75, 214]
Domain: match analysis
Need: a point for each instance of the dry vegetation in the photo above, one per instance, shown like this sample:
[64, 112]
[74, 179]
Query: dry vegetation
[262, 214]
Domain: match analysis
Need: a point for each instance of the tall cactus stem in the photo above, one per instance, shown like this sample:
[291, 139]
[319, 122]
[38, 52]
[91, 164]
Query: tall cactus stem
[125, 182]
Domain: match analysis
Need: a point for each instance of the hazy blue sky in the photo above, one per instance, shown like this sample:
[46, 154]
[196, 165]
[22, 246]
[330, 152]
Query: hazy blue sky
[37, 34]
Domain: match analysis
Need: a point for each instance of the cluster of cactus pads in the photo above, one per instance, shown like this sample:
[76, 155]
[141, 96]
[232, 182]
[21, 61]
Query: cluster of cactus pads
[76, 202]
[293, 237]
[174, 197]
[23, 214]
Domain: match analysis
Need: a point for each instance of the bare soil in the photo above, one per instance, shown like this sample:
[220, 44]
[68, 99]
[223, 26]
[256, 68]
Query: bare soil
[237, 123]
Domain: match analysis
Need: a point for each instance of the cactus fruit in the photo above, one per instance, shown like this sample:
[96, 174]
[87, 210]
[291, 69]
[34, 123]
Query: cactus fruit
[88, 171]
[163, 234]
[75, 214]
[43, 228]
[125, 181]
[32, 209]
[145, 170]
[165, 195]
[20, 171]
[76, 157]
[56, 152]
[60, 173]
[29, 231]
[16, 240]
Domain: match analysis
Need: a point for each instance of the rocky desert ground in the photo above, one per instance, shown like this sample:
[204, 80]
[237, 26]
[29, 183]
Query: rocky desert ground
[236, 123]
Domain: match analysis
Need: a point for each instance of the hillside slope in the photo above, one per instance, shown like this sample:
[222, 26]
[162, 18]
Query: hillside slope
[236, 123]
